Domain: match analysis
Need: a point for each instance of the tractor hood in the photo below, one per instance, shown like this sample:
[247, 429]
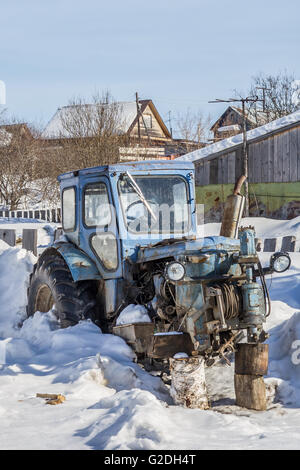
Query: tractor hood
[172, 248]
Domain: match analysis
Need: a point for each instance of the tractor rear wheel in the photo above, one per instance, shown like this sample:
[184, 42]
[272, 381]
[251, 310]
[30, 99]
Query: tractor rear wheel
[52, 287]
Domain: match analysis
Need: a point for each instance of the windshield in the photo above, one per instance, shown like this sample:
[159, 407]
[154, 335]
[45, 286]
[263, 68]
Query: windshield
[167, 196]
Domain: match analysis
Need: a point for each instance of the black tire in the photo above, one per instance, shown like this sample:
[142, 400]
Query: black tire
[51, 284]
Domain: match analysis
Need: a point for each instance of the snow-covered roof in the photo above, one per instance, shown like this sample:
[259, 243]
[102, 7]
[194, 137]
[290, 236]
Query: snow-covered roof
[238, 139]
[127, 113]
[233, 127]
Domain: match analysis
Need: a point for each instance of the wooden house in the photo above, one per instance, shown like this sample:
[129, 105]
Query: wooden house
[274, 170]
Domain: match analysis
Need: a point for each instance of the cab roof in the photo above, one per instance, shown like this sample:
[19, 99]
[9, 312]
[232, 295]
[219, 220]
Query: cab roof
[147, 165]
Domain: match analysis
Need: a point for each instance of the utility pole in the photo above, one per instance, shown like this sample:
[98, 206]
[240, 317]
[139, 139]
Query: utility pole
[138, 115]
[169, 121]
[244, 147]
[264, 89]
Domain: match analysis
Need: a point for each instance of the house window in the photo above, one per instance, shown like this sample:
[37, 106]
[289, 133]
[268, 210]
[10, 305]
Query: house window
[147, 120]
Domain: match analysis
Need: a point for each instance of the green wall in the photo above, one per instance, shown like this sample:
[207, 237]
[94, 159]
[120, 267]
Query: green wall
[280, 200]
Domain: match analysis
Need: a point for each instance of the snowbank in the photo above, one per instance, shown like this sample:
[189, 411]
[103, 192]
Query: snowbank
[112, 403]
[15, 268]
[133, 314]
[264, 228]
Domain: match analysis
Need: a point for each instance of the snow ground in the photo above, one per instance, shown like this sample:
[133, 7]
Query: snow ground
[111, 403]
[45, 229]
[264, 227]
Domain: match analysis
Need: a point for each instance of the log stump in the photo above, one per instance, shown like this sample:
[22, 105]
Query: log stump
[188, 386]
[251, 364]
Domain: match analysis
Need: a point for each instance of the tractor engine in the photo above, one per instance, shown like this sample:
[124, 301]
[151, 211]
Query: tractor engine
[211, 294]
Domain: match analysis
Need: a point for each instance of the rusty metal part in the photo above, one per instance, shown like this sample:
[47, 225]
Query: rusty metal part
[239, 184]
[233, 211]
[228, 348]
[232, 215]
[137, 335]
[228, 301]
[197, 259]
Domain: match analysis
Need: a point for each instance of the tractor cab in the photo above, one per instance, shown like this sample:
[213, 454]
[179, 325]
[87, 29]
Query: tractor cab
[110, 212]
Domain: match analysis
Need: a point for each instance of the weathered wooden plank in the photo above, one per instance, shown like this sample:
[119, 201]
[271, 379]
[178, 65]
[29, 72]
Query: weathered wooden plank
[29, 240]
[220, 170]
[264, 160]
[270, 244]
[206, 172]
[8, 236]
[285, 157]
[278, 141]
[238, 163]
[293, 137]
[270, 177]
[298, 154]
[213, 171]
[198, 178]
[288, 244]
[225, 170]
[256, 163]
[251, 163]
[231, 167]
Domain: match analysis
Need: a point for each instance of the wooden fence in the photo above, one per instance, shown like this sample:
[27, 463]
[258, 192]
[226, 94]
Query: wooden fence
[29, 238]
[48, 215]
[30, 242]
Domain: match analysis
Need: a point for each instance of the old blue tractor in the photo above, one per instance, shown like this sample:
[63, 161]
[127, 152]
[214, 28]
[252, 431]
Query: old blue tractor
[130, 237]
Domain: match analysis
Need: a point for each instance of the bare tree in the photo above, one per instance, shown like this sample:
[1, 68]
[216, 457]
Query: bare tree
[193, 128]
[19, 162]
[91, 133]
[278, 93]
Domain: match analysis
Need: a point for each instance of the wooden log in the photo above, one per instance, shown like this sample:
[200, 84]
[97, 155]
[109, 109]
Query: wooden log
[252, 359]
[52, 398]
[250, 391]
[188, 386]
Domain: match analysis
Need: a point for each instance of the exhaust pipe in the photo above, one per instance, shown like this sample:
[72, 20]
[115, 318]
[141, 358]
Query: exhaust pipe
[233, 211]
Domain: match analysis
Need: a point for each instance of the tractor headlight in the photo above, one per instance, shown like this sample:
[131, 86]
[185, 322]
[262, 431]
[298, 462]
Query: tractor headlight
[175, 271]
[280, 262]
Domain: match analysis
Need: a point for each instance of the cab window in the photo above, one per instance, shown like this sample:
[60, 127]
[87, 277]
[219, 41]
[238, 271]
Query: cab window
[96, 205]
[69, 209]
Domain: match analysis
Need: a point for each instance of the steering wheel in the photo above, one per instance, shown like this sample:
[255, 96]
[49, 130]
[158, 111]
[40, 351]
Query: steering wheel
[138, 201]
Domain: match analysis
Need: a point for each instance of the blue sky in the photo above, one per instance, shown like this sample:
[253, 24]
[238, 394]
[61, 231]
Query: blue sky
[179, 53]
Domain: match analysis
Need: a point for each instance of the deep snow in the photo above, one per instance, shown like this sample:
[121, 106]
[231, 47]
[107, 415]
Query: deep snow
[111, 403]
